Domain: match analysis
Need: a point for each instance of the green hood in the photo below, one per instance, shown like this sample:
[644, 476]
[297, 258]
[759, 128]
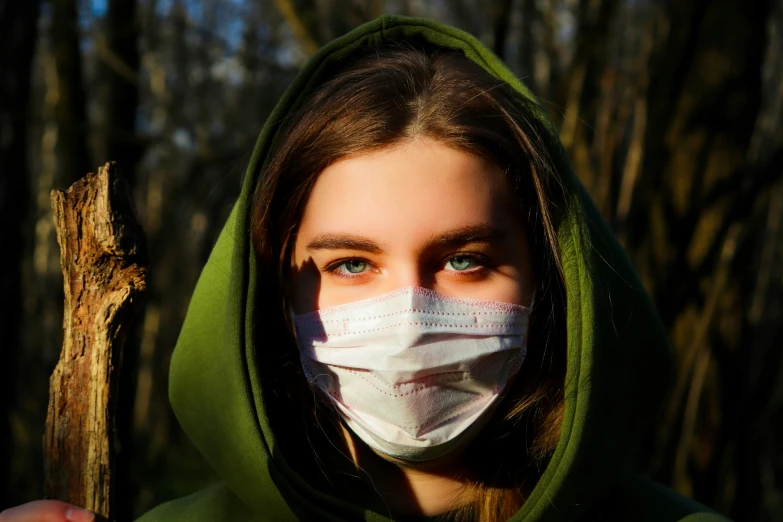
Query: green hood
[618, 363]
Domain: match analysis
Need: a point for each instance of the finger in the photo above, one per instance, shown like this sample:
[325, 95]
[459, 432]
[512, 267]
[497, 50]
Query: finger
[47, 511]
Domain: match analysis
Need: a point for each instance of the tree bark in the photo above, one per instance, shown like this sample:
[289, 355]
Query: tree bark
[17, 45]
[104, 257]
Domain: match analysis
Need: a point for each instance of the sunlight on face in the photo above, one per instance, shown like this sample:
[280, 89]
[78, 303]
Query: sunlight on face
[415, 214]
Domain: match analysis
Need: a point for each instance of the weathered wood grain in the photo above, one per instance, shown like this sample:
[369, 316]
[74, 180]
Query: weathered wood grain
[104, 258]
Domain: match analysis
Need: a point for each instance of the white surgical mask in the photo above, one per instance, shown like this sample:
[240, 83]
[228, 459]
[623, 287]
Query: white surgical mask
[413, 372]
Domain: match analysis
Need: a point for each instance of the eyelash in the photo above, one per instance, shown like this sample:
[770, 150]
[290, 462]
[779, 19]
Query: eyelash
[334, 267]
[480, 259]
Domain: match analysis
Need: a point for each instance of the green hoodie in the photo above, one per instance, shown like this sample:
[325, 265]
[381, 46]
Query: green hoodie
[618, 360]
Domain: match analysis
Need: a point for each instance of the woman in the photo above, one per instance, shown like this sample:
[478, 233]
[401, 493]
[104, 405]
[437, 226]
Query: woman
[415, 312]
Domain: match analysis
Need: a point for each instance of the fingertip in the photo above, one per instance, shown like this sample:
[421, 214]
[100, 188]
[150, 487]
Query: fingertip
[47, 510]
[74, 514]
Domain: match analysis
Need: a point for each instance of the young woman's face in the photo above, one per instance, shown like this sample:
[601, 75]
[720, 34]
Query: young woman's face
[415, 214]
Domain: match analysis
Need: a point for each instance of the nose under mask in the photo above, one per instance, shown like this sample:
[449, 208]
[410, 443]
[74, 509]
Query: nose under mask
[413, 372]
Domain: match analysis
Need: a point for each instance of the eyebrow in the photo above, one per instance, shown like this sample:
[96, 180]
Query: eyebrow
[470, 234]
[344, 242]
[460, 236]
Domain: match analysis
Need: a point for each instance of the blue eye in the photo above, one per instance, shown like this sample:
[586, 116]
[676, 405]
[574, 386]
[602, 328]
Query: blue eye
[461, 263]
[354, 266]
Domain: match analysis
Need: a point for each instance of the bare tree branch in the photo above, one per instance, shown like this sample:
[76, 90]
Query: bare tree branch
[104, 258]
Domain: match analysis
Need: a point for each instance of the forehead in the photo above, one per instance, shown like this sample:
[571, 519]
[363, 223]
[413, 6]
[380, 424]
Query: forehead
[414, 187]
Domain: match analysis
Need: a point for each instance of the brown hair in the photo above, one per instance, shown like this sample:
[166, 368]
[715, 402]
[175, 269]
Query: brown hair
[383, 96]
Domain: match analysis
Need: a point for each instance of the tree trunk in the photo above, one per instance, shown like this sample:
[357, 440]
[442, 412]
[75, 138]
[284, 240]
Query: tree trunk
[18, 33]
[119, 54]
[104, 257]
[501, 17]
[528, 43]
[71, 106]
[703, 102]
[697, 188]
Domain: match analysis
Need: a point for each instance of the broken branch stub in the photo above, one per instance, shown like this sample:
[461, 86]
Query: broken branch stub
[104, 259]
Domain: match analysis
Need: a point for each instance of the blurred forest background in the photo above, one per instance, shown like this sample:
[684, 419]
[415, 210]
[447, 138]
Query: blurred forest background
[671, 112]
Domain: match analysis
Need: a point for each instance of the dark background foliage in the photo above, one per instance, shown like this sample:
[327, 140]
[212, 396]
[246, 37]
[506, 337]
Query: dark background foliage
[671, 112]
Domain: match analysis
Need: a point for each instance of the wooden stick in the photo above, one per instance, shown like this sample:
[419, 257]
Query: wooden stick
[104, 258]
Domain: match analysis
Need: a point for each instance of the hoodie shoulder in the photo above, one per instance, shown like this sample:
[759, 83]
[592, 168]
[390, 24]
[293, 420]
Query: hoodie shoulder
[637, 498]
[216, 503]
